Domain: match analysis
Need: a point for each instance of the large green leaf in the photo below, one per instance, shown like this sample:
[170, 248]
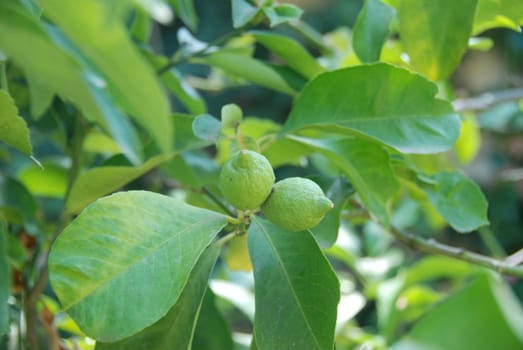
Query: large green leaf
[371, 30]
[13, 128]
[435, 34]
[483, 316]
[366, 165]
[250, 69]
[384, 102]
[124, 261]
[212, 331]
[5, 281]
[458, 199]
[498, 13]
[175, 330]
[103, 180]
[59, 72]
[290, 51]
[296, 290]
[103, 39]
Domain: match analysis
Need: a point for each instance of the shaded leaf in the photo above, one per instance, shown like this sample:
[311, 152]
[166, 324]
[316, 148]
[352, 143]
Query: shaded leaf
[384, 102]
[175, 330]
[366, 165]
[250, 69]
[458, 199]
[495, 322]
[185, 10]
[120, 240]
[41, 97]
[435, 34]
[290, 51]
[187, 95]
[243, 12]
[14, 195]
[207, 127]
[371, 30]
[103, 180]
[296, 290]
[498, 13]
[103, 39]
[212, 331]
[13, 128]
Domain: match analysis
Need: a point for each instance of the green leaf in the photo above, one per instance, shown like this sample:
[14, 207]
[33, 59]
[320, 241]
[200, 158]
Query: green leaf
[187, 95]
[290, 51]
[483, 316]
[51, 181]
[387, 103]
[118, 241]
[207, 127]
[250, 69]
[5, 281]
[366, 165]
[185, 10]
[296, 290]
[14, 195]
[435, 34]
[41, 97]
[458, 199]
[498, 13]
[13, 128]
[175, 330]
[103, 39]
[212, 331]
[278, 14]
[184, 135]
[103, 180]
[243, 12]
[59, 72]
[371, 30]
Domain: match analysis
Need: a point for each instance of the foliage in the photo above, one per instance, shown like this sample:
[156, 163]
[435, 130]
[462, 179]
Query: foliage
[117, 116]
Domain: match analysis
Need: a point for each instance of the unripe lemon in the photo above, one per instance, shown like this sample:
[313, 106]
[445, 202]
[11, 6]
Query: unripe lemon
[296, 204]
[246, 179]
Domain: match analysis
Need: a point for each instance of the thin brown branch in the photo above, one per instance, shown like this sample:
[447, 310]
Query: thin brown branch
[487, 100]
[431, 246]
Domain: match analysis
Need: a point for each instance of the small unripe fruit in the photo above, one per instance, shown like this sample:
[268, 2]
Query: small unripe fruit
[246, 179]
[296, 204]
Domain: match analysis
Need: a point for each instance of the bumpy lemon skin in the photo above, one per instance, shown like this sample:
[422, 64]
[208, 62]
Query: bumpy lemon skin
[296, 204]
[246, 180]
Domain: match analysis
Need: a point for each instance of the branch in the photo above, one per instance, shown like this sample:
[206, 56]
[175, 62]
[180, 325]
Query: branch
[431, 246]
[487, 100]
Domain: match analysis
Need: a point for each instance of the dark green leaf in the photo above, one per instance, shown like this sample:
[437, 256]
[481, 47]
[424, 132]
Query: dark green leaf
[5, 281]
[132, 248]
[483, 316]
[185, 10]
[458, 199]
[207, 127]
[290, 51]
[103, 180]
[175, 330]
[13, 128]
[296, 290]
[387, 103]
[250, 69]
[104, 41]
[366, 165]
[435, 34]
[371, 30]
[212, 331]
[13, 194]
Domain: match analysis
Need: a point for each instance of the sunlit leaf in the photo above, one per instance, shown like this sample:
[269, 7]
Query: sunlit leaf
[132, 248]
[13, 128]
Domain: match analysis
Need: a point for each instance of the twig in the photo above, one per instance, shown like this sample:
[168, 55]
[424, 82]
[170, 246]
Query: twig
[488, 99]
[177, 61]
[516, 258]
[431, 246]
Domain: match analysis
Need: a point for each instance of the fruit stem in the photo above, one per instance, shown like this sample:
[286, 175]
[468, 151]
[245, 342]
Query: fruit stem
[222, 241]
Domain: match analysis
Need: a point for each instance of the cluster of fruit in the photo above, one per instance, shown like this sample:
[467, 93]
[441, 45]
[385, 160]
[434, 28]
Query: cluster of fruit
[296, 203]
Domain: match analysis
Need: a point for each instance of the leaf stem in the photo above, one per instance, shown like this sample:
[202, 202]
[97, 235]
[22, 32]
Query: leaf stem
[434, 247]
[184, 58]
[223, 240]
[218, 201]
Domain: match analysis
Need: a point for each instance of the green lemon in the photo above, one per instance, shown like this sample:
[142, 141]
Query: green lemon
[296, 204]
[246, 179]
